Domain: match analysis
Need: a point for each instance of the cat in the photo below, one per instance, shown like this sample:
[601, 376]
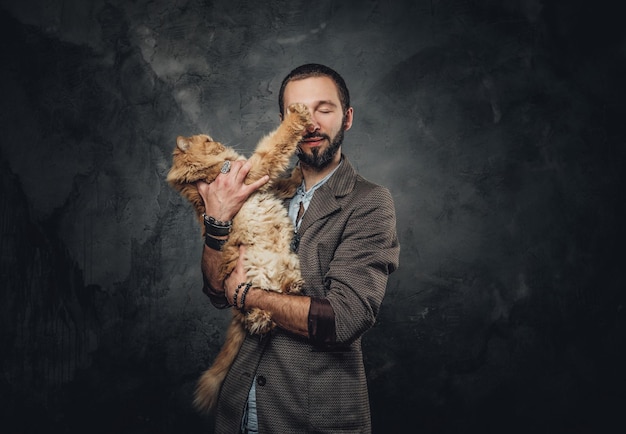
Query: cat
[262, 225]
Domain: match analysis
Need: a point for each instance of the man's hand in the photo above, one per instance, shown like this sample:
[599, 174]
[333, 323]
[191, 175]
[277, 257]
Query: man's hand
[224, 197]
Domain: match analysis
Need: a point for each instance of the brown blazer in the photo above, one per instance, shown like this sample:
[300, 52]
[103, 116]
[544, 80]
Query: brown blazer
[348, 248]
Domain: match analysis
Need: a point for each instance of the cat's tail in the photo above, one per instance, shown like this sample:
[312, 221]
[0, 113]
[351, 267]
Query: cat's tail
[210, 383]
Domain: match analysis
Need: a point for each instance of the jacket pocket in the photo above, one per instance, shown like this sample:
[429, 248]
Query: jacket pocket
[338, 398]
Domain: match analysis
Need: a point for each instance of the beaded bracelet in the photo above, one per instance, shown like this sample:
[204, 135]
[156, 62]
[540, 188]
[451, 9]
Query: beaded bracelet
[236, 294]
[243, 295]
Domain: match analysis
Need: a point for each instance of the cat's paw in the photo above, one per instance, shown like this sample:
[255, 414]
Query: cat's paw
[259, 322]
[299, 116]
[292, 286]
[296, 287]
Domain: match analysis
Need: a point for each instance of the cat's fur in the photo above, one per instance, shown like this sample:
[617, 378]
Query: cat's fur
[262, 225]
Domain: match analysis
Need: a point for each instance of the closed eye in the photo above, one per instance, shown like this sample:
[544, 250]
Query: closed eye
[326, 107]
[325, 110]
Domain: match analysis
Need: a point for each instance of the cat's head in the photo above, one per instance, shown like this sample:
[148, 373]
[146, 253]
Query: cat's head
[199, 145]
[198, 157]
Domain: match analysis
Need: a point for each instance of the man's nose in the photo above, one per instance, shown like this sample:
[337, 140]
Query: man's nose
[314, 125]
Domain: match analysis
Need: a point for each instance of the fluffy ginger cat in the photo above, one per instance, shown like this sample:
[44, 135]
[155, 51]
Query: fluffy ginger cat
[262, 225]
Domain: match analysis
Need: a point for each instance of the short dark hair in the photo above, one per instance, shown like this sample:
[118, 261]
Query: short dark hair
[315, 70]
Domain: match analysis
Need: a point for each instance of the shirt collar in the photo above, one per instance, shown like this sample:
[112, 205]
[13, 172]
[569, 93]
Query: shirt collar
[305, 197]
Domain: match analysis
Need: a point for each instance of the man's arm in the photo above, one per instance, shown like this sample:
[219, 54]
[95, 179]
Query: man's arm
[222, 200]
[289, 312]
[212, 287]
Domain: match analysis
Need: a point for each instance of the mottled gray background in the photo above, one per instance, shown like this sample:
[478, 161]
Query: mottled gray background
[497, 125]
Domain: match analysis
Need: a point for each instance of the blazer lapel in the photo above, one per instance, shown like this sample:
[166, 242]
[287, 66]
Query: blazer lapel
[324, 201]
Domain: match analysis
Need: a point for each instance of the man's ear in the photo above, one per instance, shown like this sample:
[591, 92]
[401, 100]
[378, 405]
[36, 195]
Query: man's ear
[280, 116]
[347, 123]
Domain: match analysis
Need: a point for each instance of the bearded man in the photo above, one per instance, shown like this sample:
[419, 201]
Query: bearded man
[308, 375]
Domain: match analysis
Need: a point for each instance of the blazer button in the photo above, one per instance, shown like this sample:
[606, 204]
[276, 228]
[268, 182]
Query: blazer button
[260, 380]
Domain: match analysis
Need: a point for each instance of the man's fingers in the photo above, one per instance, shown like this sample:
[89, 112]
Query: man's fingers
[258, 183]
[243, 169]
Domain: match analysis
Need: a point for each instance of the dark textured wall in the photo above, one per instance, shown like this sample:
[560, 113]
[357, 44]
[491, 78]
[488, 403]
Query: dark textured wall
[497, 125]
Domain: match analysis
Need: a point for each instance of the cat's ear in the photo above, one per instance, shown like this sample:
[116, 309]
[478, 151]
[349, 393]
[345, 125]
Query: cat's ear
[182, 143]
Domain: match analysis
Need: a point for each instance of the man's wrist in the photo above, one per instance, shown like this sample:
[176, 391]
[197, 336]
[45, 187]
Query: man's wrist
[216, 232]
[215, 227]
[214, 242]
[244, 293]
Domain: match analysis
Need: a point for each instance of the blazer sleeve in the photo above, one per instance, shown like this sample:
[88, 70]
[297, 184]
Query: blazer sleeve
[368, 252]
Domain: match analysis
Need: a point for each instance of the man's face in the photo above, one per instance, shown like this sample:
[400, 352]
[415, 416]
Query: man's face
[321, 145]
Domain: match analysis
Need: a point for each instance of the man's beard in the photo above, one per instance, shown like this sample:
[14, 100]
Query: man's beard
[317, 160]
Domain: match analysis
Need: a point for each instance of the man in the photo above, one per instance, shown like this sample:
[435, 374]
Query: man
[308, 375]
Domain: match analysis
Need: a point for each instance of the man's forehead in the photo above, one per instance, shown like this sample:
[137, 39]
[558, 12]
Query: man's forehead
[312, 89]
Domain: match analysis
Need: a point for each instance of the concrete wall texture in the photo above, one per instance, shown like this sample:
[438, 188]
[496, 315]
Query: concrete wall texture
[497, 125]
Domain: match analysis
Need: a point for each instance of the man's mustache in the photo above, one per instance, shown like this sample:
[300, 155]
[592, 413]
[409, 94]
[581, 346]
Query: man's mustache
[315, 136]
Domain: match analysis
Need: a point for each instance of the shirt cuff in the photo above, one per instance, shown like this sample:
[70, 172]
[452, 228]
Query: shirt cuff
[321, 322]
